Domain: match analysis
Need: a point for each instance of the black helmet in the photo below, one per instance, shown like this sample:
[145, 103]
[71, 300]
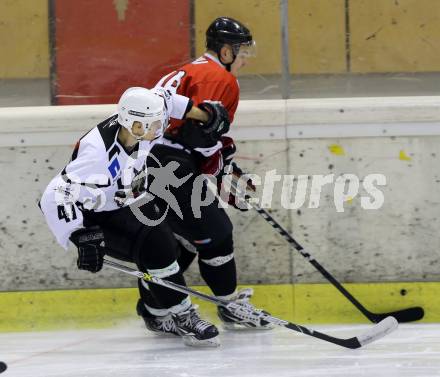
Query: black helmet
[226, 30]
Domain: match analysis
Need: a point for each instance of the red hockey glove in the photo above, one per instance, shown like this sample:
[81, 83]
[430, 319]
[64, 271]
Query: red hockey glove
[236, 174]
[220, 164]
[214, 164]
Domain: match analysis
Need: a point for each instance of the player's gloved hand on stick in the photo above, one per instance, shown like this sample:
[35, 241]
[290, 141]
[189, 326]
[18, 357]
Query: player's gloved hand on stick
[242, 181]
[90, 244]
[228, 149]
[125, 197]
[237, 174]
[221, 164]
[218, 122]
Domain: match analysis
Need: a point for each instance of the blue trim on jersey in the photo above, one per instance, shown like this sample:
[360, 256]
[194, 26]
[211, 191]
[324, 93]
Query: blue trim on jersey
[114, 168]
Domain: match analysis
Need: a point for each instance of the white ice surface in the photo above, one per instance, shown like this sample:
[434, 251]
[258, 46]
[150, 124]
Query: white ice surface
[128, 351]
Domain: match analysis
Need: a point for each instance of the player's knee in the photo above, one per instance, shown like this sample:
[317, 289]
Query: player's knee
[207, 246]
[164, 272]
[218, 254]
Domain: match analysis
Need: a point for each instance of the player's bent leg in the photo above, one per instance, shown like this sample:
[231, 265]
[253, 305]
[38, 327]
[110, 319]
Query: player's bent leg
[216, 263]
[124, 239]
[187, 252]
[169, 312]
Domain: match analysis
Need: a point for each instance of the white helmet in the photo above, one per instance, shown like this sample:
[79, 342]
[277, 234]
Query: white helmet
[140, 105]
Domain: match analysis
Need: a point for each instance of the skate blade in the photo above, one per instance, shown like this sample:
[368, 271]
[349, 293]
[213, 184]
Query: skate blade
[191, 341]
[161, 334]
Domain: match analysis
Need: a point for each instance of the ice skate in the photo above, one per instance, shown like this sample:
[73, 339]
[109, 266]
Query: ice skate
[162, 325]
[195, 331]
[231, 322]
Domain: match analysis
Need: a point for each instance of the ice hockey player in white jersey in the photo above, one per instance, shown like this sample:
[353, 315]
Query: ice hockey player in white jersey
[88, 203]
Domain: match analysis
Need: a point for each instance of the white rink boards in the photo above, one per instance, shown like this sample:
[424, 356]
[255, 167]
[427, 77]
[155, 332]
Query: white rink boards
[413, 350]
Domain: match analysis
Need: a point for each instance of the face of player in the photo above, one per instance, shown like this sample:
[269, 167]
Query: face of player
[242, 55]
[138, 130]
[239, 62]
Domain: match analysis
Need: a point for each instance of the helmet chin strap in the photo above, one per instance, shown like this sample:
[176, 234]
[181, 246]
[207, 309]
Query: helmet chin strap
[227, 66]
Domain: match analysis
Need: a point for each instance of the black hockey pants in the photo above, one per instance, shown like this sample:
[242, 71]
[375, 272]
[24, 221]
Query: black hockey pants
[205, 230]
[152, 249]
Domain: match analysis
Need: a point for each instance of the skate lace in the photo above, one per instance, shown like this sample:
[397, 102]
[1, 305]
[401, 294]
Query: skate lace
[194, 320]
[166, 324]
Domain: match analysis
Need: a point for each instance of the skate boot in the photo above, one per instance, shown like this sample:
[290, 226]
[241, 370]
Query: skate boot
[195, 331]
[231, 322]
[163, 325]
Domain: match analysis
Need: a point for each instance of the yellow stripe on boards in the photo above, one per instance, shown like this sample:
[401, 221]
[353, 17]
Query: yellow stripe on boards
[322, 303]
[300, 303]
[50, 310]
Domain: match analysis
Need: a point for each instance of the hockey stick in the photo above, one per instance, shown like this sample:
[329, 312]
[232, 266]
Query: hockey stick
[247, 312]
[404, 315]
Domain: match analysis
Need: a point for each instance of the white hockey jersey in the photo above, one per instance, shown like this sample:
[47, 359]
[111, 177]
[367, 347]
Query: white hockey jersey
[100, 167]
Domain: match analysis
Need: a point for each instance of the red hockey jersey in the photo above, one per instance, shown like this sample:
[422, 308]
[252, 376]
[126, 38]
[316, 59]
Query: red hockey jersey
[204, 79]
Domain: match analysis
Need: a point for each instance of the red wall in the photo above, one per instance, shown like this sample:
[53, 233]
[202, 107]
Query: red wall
[97, 56]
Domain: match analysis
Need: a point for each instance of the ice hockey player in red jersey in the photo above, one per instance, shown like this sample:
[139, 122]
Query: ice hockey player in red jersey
[89, 204]
[212, 77]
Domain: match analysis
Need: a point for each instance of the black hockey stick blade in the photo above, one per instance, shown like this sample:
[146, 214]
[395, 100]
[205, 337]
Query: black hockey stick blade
[405, 315]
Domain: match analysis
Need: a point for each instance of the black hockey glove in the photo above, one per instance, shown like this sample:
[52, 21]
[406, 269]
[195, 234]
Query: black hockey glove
[218, 122]
[90, 244]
